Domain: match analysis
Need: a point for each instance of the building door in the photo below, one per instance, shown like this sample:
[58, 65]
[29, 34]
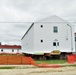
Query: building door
[55, 45]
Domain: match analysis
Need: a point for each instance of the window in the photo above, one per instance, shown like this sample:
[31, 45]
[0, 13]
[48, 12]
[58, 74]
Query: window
[75, 39]
[41, 40]
[12, 50]
[54, 43]
[1, 50]
[55, 29]
[41, 26]
[17, 50]
[57, 43]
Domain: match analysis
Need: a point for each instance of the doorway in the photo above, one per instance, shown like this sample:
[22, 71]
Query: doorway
[55, 45]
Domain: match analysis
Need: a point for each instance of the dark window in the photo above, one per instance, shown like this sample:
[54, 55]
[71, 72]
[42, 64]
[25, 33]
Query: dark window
[54, 43]
[41, 40]
[1, 50]
[57, 43]
[75, 39]
[55, 29]
[12, 50]
[17, 50]
[41, 26]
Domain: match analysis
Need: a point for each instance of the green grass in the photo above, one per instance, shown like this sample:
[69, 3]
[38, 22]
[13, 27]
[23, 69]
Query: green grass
[70, 65]
[7, 67]
[51, 61]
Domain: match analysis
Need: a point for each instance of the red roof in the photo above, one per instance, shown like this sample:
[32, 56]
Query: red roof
[10, 46]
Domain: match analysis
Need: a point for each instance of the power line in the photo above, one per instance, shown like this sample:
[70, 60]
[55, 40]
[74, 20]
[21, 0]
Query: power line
[37, 22]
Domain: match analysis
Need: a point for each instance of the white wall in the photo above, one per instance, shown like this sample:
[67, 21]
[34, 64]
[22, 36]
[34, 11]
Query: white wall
[27, 42]
[48, 37]
[73, 38]
[9, 50]
[31, 42]
[44, 34]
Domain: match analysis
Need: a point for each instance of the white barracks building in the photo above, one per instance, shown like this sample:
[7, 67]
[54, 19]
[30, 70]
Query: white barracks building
[48, 35]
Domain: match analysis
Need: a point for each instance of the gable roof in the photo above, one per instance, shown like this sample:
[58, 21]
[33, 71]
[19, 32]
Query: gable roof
[10, 47]
[27, 30]
[52, 19]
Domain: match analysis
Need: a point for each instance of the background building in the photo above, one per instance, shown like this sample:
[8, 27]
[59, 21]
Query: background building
[10, 49]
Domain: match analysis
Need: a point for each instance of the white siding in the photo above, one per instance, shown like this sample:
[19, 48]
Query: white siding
[31, 43]
[73, 39]
[44, 34]
[27, 42]
[9, 51]
[48, 36]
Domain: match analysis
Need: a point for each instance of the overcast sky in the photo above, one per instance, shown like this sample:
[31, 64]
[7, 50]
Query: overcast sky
[27, 11]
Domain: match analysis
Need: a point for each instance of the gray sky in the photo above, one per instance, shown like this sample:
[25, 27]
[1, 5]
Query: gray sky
[28, 11]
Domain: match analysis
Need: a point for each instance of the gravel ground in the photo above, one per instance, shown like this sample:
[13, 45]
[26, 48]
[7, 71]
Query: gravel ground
[32, 70]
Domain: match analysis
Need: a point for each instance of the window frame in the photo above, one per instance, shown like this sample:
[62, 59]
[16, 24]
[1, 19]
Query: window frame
[55, 29]
[12, 50]
[54, 43]
[57, 43]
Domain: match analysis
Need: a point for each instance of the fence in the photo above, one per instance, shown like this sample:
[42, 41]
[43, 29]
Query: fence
[19, 59]
[72, 58]
[15, 59]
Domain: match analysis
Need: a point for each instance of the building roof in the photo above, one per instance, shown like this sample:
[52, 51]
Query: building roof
[27, 30]
[10, 46]
[52, 19]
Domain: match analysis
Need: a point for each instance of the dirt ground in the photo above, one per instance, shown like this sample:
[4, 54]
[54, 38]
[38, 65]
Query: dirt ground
[31, 70]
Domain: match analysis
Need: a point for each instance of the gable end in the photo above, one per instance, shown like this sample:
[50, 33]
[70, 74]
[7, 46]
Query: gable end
[27, 30]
